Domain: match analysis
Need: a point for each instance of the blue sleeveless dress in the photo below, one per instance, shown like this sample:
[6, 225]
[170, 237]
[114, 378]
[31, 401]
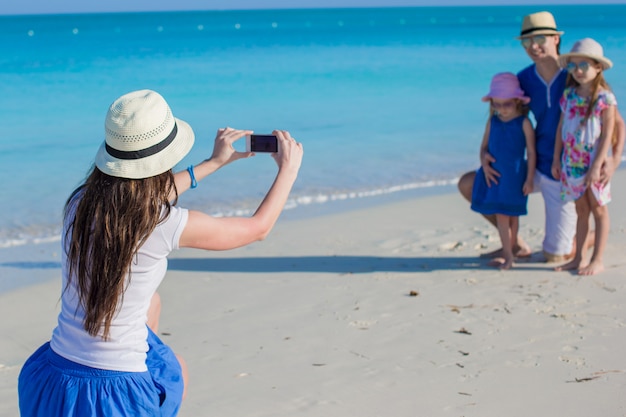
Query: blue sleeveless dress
[507, 144]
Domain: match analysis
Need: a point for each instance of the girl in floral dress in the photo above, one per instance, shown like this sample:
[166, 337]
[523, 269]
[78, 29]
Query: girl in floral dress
[582, 145]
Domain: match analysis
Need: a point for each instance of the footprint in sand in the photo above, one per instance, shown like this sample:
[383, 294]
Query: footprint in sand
[451, 245]
[362, 324]
[574, 360]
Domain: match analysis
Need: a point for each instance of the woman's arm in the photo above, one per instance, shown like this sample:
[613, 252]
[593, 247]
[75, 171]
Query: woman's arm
[531, 156]
[223, 154]
[221, 233]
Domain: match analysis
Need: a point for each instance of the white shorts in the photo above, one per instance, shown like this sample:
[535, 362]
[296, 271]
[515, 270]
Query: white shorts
[560, 227]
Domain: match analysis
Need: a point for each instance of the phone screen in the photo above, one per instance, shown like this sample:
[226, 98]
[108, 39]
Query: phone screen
[263, 143]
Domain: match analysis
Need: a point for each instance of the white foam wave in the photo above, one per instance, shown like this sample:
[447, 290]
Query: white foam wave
[30, 236]
[21, 241]
[340, 196]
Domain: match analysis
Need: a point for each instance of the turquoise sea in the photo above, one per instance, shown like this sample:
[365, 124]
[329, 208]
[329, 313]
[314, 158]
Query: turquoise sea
[386, 101]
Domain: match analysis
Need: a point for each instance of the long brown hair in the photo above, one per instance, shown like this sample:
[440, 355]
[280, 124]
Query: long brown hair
[112, 218]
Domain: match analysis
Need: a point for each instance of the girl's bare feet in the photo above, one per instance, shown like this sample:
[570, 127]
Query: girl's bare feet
[520, 251]
[501, 263]
[508, 264]
[496, 261]
[594, 267]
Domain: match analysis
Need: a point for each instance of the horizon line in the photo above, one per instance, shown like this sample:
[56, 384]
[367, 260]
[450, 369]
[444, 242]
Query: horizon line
[308, 7]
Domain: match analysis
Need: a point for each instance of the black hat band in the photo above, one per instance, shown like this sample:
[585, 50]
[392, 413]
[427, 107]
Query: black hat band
[143, 153]
[524, 32]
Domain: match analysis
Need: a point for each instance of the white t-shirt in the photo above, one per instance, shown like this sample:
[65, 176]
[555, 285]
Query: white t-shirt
[126, 348]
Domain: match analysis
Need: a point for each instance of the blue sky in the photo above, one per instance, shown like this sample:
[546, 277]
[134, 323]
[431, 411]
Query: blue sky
[90, 6]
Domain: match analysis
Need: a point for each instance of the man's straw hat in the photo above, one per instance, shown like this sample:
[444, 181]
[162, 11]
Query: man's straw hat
[540, 23]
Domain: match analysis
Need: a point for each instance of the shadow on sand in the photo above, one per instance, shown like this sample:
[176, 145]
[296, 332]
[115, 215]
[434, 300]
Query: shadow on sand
[341, 264]
[333, 264]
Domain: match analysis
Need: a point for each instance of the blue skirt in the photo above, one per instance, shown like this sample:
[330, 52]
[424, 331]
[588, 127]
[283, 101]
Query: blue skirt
[50, 386]
[506, 197]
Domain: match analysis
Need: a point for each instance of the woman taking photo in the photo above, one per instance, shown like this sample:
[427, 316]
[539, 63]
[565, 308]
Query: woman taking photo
[104, 357]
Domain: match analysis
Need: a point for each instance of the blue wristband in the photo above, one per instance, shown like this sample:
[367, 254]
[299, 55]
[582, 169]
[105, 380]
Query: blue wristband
[194, 183]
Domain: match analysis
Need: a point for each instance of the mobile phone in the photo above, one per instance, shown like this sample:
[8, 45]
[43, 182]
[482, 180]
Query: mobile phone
[261, 143]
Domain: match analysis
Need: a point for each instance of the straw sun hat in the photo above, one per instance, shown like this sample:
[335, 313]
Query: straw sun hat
[142, 137]
[587, 48]
[540, 23]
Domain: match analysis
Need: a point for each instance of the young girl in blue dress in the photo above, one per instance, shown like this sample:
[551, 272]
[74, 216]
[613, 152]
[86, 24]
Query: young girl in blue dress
[508, 138]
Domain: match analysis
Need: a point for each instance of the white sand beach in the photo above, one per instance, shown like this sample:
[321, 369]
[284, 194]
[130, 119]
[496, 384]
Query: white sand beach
[386, 311]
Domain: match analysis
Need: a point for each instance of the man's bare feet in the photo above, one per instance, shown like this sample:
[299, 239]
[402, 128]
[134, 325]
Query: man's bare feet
[595, 267]
[571, 265]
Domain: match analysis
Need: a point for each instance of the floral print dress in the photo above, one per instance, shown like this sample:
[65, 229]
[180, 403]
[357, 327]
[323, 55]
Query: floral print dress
[580, 144]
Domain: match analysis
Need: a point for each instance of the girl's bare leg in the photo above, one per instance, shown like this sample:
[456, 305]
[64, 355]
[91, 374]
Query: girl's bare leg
[514, 222]
[520, 248]
[154, 314]
[602, 222]
[504, 228]
[583, 210]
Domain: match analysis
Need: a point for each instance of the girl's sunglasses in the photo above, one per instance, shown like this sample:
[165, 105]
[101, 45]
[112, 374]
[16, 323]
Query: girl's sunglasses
[538, 39]
[582, 66]
[504, 105]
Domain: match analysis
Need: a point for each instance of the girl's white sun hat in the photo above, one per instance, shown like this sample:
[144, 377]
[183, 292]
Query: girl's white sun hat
[587, 48]
[142, 137]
